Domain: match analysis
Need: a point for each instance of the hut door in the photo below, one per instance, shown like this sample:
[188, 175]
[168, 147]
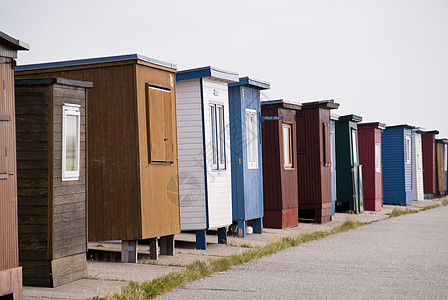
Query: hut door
[3, 151]
[159, 117]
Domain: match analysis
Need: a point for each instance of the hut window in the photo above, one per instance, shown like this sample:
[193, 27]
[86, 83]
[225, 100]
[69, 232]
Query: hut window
[217, 136]
[378, 157]
[70, 142]
[408, 150]
[159, 125]
[252, 138]
[287, 145]
[355, 146]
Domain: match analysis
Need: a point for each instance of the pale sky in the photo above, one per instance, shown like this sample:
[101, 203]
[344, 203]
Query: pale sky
[385, 60]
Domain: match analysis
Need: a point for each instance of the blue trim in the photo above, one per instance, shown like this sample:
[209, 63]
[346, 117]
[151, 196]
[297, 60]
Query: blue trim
[205, 152]
[207, 72]
[201, 240]
[256, 83]
[89, 61]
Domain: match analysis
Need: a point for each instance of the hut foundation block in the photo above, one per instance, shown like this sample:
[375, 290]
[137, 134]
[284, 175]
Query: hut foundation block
[242, 228]
[129, 251]
[201, 242]
[167, 245]
[258, 226]
[154, 248]
[222, 235]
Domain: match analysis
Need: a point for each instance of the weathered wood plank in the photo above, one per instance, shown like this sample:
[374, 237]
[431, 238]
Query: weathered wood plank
[68, 269]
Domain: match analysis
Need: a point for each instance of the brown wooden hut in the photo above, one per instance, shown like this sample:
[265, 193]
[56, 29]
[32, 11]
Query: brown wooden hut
[132, 148]
[279, 142]
[314, 159]
[10, 272]
[51, 179]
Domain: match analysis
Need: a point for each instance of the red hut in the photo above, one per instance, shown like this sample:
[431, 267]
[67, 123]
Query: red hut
[429, 163]
[279, 163]
[314, 159]
[369, 144]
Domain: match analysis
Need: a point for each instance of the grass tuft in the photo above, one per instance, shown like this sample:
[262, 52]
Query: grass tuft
[402, 211]
[201, 269]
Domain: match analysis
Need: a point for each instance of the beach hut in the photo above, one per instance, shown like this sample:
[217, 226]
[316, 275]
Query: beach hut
[205, 171]
[279, 143]
[10, 272]
[51, 179]
[132, 148]
[314, 160]
[369, 145]
[441, 166]
[417, 166]
[397, 164]
[246, 155]
[429, 163]
[333, 119]
[348, 169]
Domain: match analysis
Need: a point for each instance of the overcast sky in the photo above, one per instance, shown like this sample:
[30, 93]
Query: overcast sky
[385, 60]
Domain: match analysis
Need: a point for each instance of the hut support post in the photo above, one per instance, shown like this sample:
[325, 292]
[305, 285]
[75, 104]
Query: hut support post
[258, 226]
[129, 251]
[201, 242]
[242, 228]
[154, 248]
[222, 235]
[167, 245]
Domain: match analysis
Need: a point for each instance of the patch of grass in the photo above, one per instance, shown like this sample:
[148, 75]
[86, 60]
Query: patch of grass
[444, 202]
[99, 246]
[402, 211]
[201, 269]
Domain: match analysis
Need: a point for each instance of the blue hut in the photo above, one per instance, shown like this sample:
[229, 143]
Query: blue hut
[333, 119]
[396, 148]
[245, 142]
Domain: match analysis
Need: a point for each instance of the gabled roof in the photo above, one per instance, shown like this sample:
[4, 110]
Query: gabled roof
[262, 85]
[12, 42]
[207, 72]
[90, 61]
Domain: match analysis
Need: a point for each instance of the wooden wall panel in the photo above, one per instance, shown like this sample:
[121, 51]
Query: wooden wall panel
[159, 181]
[8, 186]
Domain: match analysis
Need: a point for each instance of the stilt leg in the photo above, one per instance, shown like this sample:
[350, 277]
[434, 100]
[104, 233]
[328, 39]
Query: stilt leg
[167, 245]
[201, 242]
[242, 227]
[129, 251]
[258, 226]
[153, 249]
[222, 235]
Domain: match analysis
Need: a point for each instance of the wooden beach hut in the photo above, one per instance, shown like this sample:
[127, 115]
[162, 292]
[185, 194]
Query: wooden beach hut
[369, 145]
[205, 170]
[333, 119]
[441, 167]
[51, 179]
[10, 272]
[417, 166]
[279, 143]
[429, 163]
[314, 160]
[132, 148]
[246, 153]
[397, 164]
[348, 169]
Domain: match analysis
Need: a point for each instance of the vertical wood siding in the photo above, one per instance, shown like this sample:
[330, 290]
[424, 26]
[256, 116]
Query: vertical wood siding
[219, 184]
[191, 155]
[440, 168]
[8, 186]
[417, 167]
[429, 165]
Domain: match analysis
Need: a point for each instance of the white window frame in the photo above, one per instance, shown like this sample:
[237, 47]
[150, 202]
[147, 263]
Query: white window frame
[378, 157]
[217, 137]
[288, 145]
[252, 139]
[70, 110]
[407, 145]
[354, 139]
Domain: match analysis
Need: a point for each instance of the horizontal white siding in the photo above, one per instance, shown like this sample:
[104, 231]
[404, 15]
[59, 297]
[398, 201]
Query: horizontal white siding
[219, 183]
[191, 155]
